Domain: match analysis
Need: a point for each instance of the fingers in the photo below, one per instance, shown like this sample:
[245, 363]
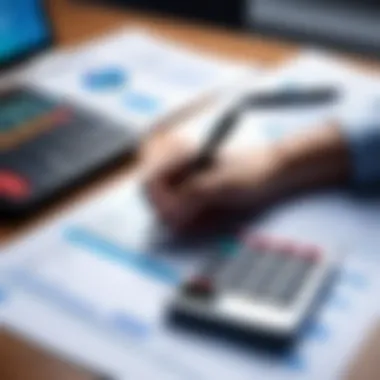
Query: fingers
[171, 205]
[170, 158]
[210, 186]
[180, 206]
[164, 155]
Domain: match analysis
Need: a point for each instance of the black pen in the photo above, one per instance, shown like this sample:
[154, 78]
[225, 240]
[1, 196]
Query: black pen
[309, 97]
[299, 97]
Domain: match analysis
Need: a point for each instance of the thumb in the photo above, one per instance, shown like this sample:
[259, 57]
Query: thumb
[169, 160]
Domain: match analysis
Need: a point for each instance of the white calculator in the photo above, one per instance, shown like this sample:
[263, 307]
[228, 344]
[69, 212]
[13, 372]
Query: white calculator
[264, 292]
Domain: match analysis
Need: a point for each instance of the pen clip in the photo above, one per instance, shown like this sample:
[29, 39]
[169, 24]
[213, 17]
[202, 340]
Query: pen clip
[308, 97]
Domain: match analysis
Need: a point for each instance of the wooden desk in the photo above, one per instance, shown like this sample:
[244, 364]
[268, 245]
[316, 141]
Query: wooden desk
[77, 23]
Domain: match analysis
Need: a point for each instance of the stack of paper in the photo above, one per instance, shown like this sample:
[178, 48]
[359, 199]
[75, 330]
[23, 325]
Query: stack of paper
[94, 285]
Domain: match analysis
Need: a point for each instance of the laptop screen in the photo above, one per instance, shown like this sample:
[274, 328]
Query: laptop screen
[24, 29]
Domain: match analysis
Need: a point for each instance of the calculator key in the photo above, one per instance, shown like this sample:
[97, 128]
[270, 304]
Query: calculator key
[287, 247]
[261, 288]
[35, 163]
[234, 274]
[292, 279]
[199, 287]
[312, 253]
[13, 186]
[296, 284]
[260, 273]
[258, 243]
[214, 265]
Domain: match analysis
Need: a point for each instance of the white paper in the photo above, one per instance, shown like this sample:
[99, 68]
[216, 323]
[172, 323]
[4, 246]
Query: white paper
[47, 64]
[111, 258]
[157, 77]
[3, 300]
[105, 283]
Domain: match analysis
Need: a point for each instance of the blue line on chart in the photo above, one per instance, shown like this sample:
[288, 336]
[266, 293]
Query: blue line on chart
[355, 279]
[129, 324]
[3, 295]
[121, 322]
[150, 266]
[338, 302]
[53, 293]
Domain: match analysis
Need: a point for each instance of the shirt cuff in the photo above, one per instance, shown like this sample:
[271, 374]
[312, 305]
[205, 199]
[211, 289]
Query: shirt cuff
[363, 139]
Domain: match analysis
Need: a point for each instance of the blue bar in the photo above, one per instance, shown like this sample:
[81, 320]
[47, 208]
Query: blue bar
[128, 324]
[3, 295]
[57, 296]
[150, 266]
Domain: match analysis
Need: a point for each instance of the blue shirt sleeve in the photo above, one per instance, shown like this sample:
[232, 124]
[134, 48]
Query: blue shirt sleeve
[364, 146]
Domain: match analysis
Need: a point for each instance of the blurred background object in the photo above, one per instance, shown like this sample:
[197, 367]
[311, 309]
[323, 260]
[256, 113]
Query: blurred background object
[34, 35]
[227, 12]
[351, 25]
[344, 24]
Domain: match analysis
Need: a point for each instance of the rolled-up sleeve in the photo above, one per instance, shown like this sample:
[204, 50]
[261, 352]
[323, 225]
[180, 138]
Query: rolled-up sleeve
[363, 139]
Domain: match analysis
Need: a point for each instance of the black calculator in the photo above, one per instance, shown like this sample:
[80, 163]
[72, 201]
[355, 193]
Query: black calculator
[47, 145]
[263, 292]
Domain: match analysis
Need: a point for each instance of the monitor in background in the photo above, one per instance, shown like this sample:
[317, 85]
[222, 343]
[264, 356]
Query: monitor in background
[350, 25]
[24, 30]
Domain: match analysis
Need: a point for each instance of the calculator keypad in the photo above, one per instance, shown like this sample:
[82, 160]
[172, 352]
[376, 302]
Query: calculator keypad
[264, 270]
[51, 145]
[264, 290]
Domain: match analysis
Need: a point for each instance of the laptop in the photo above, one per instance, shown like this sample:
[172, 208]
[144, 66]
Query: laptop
[47, 145]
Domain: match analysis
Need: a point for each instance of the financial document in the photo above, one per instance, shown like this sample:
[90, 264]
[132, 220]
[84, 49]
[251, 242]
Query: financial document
[118, 284]
[95, 284]
[138, 78]
[3, 300]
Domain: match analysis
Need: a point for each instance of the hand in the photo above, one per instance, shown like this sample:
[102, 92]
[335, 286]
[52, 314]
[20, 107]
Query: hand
[234, 182]
[245, 180]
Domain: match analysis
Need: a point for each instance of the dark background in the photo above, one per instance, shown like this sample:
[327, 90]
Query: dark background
[233, 14]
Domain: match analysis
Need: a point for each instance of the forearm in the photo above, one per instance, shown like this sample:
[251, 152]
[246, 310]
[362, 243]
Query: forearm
[317, 158]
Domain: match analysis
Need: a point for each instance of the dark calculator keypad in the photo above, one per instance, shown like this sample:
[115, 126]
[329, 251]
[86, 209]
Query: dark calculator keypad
[50, 145]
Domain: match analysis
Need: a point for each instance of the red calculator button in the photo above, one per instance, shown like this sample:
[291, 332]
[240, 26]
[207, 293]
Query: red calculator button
[13, 185]
[199, 286]
[313, 253]
[259, 242]
[288, 247]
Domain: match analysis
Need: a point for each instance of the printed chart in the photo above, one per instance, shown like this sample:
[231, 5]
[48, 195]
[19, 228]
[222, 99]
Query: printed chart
[131, 303]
